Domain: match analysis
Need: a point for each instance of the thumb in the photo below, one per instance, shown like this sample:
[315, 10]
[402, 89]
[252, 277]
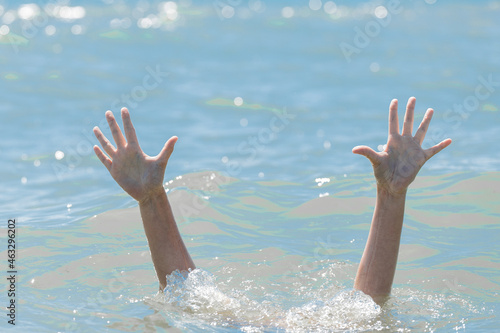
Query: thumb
[368, 153]
[167, 150]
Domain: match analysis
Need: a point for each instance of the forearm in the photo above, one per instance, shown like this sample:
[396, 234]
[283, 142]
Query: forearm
[378, 263]
[165, 242]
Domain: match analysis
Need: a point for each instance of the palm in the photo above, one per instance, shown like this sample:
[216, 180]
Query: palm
[397, 166]
[399, 163]
[137, 173]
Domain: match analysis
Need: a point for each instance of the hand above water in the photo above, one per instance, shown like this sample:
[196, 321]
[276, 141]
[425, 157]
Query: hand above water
[138, 174]
[397, 166]
[394, 168]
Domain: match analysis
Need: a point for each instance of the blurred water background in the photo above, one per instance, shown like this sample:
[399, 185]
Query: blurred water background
[273, 96]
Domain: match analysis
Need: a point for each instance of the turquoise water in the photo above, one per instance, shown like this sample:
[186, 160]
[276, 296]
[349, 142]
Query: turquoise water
[277, 245]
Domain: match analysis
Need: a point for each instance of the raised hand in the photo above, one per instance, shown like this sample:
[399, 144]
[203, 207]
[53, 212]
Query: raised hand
[397, 166]
[141, 176]
[138, 174]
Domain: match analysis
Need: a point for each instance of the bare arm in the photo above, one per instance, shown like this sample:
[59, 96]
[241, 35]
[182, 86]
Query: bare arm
[141, 176]
[394, 168]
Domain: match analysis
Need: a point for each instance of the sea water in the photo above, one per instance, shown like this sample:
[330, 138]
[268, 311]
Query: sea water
[267, 100]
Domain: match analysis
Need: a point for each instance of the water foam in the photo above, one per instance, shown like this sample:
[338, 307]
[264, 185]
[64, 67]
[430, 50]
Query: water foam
[197, 295]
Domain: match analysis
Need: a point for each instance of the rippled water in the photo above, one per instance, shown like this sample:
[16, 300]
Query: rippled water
[266, 265]
[276, 220]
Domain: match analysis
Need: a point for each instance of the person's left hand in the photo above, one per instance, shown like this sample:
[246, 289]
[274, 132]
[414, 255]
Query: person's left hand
[138, 174]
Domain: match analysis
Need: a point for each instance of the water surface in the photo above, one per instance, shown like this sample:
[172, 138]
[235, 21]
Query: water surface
[278, 242]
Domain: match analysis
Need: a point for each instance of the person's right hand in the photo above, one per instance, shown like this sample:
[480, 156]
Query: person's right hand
[397, 166]
[138, 174]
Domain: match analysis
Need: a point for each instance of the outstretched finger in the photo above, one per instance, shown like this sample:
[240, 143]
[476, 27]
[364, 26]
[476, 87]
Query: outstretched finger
[128, 128]
[105, 144]
[408, 123]
[424, 125]
[115, 130]
[367, 152]
[393, 118]
[167, 150]
[103, 158]
[437, 148]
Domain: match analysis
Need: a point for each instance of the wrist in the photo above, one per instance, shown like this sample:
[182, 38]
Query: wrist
[385, 192]
[152, 195]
